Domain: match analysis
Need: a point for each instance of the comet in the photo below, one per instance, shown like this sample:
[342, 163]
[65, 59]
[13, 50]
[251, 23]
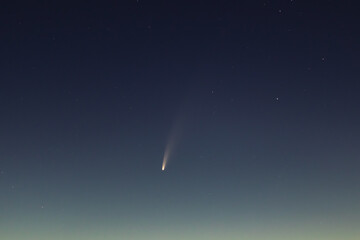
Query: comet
[171, 143]
[183, 119]
[168, 150]
[164, 162]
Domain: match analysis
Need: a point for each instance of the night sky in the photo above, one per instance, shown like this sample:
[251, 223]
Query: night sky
[256, 102]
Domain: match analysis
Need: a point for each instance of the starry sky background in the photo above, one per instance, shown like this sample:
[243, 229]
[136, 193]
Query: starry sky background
[266, 95]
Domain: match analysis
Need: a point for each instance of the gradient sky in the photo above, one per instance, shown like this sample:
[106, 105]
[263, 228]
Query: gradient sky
[260, 98]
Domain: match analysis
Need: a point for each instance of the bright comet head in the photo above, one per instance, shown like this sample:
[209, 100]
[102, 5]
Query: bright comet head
[163, 165]
[165, 159]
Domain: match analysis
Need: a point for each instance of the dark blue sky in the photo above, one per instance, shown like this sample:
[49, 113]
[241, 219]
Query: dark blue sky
[264, 96]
